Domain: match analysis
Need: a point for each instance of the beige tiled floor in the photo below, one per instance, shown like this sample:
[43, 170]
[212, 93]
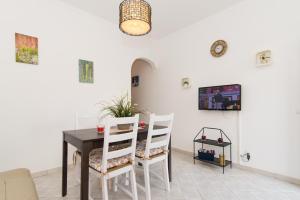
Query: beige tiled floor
[190, 182]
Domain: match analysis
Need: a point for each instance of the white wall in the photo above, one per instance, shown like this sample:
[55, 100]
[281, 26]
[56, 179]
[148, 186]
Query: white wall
[269, 125]
[38, 102]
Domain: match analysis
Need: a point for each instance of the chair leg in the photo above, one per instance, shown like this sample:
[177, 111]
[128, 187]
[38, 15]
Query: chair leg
[127, 179]
[90, 189]
[166, 174]
[110, 184]
[116, 184]
[147, 181]
[133, 184]
[104, 188]
[77, 171]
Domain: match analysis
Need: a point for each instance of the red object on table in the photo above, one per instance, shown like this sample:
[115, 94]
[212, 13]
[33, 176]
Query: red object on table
[100, 128]
[142, 124]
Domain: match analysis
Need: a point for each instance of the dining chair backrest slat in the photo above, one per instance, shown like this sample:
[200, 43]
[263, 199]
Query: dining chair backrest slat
[158, 144]
[119, 153]
[120, 137]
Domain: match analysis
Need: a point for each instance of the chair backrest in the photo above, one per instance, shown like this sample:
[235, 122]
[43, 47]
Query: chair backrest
[110, 138]
[84, 121]
[159, 137]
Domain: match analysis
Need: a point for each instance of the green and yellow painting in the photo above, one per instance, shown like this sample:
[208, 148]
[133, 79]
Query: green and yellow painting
[86, 71]
[26, 49]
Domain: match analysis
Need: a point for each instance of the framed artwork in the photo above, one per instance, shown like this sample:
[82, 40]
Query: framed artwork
[26, 49]
[135, 81]
[86, 71]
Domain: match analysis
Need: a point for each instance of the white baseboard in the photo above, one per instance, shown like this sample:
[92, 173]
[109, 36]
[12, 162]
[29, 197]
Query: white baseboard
[251, 169]
[269, 174]
[188, 153]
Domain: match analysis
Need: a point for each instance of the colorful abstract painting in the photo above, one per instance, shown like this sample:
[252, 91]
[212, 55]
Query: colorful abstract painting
[26, 49]
[86, 71]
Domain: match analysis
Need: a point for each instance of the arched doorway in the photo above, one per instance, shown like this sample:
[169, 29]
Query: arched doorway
[142, 78]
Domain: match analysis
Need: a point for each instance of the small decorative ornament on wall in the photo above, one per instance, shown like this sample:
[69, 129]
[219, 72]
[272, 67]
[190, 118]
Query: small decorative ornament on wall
[264, 58]
[26, 49]
[185, 82]
[135, 81]
[86, 71]
[218, 48]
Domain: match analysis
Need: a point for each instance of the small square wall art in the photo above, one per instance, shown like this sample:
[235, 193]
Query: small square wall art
[26, 49]
[86, 71]
[135, 81]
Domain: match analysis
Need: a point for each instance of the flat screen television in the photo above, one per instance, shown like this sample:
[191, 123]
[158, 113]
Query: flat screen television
[224, 97]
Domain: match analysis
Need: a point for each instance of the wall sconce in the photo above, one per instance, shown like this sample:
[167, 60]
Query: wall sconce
[185, 82]
[264, 58]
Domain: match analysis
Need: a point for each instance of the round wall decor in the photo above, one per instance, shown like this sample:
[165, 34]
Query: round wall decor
[218, 48]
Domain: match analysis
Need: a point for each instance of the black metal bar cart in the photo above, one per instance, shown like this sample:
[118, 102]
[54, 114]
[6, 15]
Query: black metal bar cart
[226, 142]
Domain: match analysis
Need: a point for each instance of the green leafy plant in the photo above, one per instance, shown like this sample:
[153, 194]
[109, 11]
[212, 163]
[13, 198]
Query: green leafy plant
[120, 107]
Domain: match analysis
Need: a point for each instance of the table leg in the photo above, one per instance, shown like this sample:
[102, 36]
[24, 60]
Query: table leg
[64, 168]
[170, 161]
[84, 186]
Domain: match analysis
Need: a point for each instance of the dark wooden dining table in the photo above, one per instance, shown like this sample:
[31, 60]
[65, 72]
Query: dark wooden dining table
[85, 140]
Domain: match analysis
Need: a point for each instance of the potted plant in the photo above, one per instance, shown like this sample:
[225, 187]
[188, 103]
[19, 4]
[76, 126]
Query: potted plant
[121, 107]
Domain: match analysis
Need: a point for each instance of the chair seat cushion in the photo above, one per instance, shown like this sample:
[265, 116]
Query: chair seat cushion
[96, 158]
[140, 150]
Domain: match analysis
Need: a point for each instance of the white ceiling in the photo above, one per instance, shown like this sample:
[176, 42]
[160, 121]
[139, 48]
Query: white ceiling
[167, 15]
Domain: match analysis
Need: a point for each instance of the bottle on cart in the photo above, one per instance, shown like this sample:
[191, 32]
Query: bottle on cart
[222, 159]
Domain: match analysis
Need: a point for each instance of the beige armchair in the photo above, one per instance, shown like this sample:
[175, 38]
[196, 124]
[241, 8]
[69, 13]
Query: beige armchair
[17, 185]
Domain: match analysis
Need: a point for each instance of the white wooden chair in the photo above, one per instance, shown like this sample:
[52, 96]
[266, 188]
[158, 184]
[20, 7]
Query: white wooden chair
[155, 149]
[114, 160]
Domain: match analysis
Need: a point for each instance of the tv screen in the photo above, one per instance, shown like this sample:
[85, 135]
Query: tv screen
[225, 97]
